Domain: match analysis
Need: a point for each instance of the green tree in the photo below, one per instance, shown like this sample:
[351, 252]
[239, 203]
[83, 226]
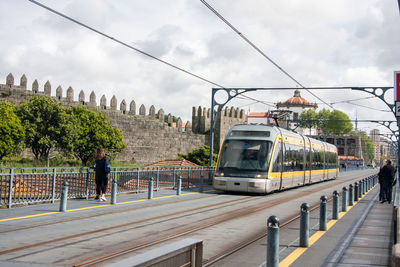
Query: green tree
[323, 118]
[92, 129]
[46, 126]
[12, 132]
[200, 156]
[339, 123]
[308, 119]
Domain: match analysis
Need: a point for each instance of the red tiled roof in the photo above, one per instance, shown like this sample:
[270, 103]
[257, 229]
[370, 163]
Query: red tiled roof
[172, 162]
[258, 114]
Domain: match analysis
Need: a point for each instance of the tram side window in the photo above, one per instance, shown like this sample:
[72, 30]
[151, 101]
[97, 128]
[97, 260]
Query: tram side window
[318, 160]
[308, 163]
[277, 159]
[332, 160]
[294, 158]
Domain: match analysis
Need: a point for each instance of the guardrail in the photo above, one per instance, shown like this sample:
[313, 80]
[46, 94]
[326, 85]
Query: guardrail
[186, 252]
[33, 185]
[396, 225]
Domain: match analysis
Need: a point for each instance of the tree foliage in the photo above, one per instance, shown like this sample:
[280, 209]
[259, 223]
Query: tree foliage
[200, 156]
[92, 129]
[323, 118]
[339, 123]
[46, 126]
[12, 132]
[327, 121]
[308, 119]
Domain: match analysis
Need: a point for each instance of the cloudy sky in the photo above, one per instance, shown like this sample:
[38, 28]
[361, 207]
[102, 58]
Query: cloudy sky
[319, 43]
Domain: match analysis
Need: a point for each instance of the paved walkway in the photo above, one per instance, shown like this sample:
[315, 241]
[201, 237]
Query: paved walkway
[367, 243]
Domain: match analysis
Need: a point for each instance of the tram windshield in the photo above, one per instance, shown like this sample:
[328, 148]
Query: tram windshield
[244, 156]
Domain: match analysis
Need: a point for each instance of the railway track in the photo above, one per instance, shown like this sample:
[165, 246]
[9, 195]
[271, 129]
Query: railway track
[153, 230]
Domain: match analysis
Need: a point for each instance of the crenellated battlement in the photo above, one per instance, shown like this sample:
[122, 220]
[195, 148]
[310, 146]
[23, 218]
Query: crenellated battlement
[19, 93]
[147, 136]
[229, 116]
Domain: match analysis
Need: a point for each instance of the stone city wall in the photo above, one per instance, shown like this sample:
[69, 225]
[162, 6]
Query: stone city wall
[147, 139]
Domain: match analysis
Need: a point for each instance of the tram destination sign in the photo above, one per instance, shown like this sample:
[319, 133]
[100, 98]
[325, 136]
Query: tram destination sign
[397, 95]
[396, 87]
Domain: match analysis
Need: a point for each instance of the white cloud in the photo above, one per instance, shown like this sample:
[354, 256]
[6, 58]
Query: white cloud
[338, 43]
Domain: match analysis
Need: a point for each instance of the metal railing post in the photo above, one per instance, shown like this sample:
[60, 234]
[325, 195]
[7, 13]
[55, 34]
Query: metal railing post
[151, 185]
[273, 242]
[10, 188]
[201, 182]
[322, 213]
[53, 186]
[158, 178]
[87, 183]
[304, 225]
[179, 188]
[114, 189]
[64, 195]
[335, 207]
[344, 199]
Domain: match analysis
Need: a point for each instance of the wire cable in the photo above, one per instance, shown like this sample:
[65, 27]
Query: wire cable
[261, 52]
[346, 101]
[129, 46]
[123, 43]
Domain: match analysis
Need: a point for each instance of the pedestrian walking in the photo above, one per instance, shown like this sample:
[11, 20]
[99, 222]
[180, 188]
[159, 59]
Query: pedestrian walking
[102, 169]
[380, 181]
[388, 175]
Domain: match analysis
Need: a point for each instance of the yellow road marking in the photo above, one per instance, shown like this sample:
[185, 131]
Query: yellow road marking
[94, 207]
[28, 216]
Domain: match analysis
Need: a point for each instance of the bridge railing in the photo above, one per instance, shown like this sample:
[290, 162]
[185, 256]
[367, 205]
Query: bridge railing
[32, 185]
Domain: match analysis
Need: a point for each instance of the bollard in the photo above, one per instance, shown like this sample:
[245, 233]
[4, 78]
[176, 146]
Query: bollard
[273, 242]
[201, 183]
[362, 187]
[344, 199]
[356, 192]
[351, 195]
[335, 203]
[359, 190]
[151, 185]
[64, 194]
[179, 188]
[304, 225]
[322, 213]
[114, 188]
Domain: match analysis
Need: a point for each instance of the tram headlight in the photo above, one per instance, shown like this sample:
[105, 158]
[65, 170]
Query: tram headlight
[220, 174]
[258, 176]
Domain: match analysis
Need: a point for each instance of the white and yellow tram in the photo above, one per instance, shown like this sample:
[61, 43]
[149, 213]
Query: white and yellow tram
[261, 159]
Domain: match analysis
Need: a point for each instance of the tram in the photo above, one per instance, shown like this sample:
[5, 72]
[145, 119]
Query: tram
[262, 159]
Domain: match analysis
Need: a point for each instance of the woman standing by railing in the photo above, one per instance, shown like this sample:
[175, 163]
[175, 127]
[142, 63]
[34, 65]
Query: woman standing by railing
[102, 168]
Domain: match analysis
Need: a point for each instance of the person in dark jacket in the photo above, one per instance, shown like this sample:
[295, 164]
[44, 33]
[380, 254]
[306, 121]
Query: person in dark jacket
[380, 181]
[388, 173]
[102, 169]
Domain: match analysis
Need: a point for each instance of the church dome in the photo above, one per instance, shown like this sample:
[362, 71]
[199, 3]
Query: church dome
[297, 99]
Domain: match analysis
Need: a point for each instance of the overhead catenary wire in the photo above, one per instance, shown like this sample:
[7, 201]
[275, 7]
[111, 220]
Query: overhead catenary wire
[130, 46]
[123, 43]
[261, 52]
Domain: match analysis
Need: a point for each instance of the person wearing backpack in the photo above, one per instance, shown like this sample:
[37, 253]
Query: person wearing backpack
[102, 169]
